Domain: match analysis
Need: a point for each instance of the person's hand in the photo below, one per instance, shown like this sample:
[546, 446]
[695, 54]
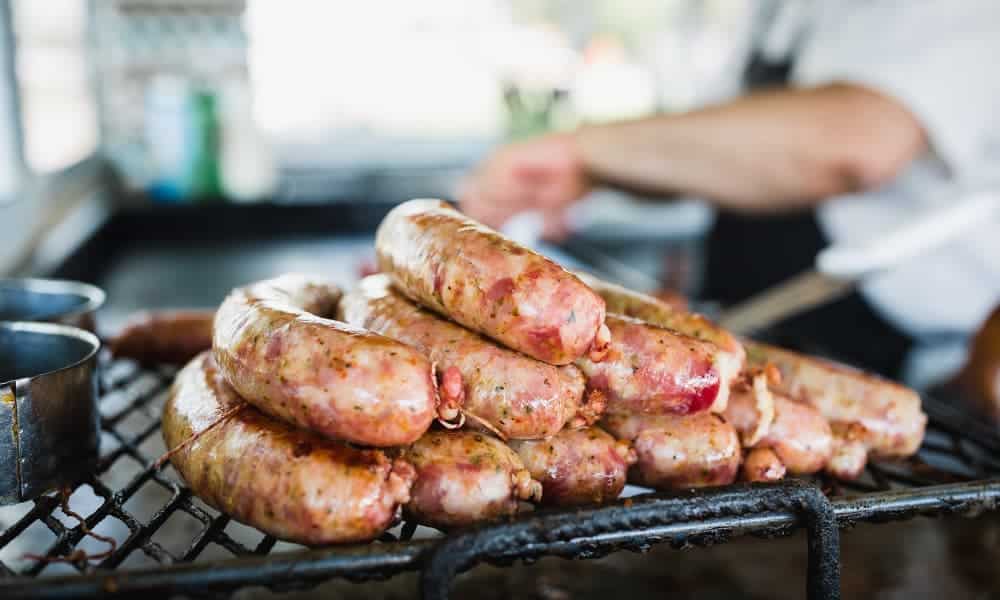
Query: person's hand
[545, 174]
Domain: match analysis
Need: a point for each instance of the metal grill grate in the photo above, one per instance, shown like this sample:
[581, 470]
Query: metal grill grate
[161, 529]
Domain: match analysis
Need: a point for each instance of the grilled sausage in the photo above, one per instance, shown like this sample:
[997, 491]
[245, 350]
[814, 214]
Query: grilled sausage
[577, 466]
[731, 356]
[762, 464]
[850, 453]
[675, 452]
[464, 477]
[284, 481]
[885, 417]
[517, 396]
[475, 276]
[751, 408]
[654, 371]
[273, 346]
[889, 415]
[797, 434]
[169, 336]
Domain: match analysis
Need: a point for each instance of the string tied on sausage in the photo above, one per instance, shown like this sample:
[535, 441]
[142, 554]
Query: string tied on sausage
[484, 424]
[222, 418]
[78, 555]
[451, 411]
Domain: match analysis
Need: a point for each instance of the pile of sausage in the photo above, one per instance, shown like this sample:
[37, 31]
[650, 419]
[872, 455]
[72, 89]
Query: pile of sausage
[472, 378]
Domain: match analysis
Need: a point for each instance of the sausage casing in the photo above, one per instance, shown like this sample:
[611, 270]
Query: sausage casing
[287, 482]
[521, 398]
[797, 434]
[577, 466]
[677, 452]
[885, 416]
[169, 336]
[464, 477]
[488, 283]
[654, 371]
[276, 350]
[763, 464]
[623, 301]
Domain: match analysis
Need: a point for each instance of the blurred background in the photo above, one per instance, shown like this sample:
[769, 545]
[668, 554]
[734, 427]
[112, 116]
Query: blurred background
[181, 108]
[207, 101]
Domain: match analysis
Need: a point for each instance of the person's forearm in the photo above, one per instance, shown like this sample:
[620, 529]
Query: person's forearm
[768, 151]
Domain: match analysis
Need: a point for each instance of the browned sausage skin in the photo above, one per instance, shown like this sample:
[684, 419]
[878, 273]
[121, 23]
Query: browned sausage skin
[464, 477]
[676, 452]
[762, 464]
[731, 356]
[273, 346]
[885, 416]
[168, 336]
[488, 283]
[518, 396]
[284, 481]
[797, 435]
[577, 466]
[654, 371]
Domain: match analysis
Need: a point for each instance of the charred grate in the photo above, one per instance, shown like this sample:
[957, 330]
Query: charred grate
[168, 541]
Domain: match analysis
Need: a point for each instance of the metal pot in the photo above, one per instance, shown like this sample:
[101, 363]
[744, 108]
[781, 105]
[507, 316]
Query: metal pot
[56, 301]
[49, 431]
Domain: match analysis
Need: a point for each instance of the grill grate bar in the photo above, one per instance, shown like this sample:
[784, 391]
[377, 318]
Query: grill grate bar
[155, 496]
[205, 537]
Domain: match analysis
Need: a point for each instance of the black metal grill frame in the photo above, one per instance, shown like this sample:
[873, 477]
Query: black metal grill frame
[891, 491]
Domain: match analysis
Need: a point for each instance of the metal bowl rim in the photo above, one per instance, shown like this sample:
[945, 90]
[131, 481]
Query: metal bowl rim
[94, 295]
[55, 330]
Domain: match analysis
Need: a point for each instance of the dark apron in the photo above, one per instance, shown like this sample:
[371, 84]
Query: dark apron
[747, 254]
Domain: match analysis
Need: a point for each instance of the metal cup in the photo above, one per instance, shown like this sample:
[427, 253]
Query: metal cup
[51, 300]
[49, 430]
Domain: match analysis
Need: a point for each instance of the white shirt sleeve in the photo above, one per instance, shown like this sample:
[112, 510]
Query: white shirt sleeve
[939, 58]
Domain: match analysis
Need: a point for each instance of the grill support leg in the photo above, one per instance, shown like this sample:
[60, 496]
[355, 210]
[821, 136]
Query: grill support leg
[823, 545]
[531, 535]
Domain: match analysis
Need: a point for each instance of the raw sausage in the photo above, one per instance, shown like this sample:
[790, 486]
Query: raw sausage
[679, 451]
[168, 336]
[273, 346]
[518, 396]
[577, 466]
[284, 481]
[464, 477]
[475, 276]
[654, 371]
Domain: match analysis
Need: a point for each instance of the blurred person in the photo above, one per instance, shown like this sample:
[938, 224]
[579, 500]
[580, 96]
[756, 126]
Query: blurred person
[859, 115]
